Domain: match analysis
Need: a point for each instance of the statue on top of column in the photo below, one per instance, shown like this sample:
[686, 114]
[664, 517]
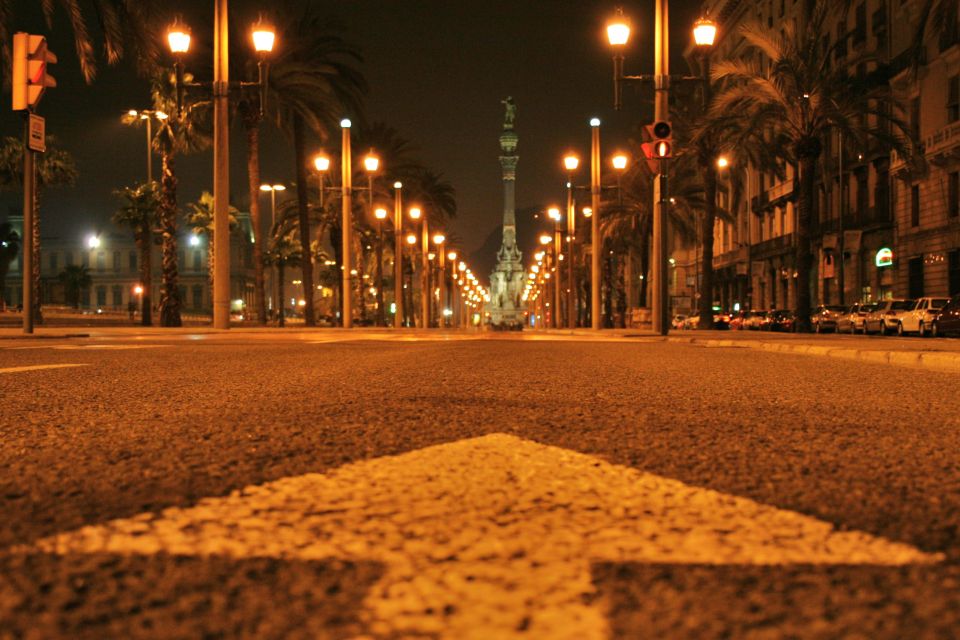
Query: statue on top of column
[511, 112]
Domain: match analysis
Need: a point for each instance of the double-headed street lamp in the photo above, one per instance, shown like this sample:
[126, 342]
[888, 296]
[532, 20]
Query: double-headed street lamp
[571, 162]
[618, 35]
[380, 214]
[438, 240]
[274, 235]
[554, 214]
[146, 116]
[178, 38]
[417, 215]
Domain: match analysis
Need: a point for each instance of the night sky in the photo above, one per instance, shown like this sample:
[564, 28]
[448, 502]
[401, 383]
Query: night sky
[437, 70]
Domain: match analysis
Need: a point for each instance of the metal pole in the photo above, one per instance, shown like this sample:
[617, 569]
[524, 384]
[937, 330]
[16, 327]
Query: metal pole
[149, 155]
[26, 241]
[571, 255]
[346, 223]
[557, 247]
[595, 244]
[425, 274]
[841, 284]
[442, 286]
[661, 302]
[221, 170]
[398, 257]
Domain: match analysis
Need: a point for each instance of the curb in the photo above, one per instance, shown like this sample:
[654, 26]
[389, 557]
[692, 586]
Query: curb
[932, 360]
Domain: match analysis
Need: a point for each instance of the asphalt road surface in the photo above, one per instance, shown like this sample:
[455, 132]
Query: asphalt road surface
[469, 487]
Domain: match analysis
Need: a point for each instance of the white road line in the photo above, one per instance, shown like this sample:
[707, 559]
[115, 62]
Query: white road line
[40, 367]
[483, 537]
[80, 347]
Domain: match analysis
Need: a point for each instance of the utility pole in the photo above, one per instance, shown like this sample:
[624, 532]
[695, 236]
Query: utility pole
[221, 169]
[346, 223]
[595, 244]
[661, 106]
[398, 254]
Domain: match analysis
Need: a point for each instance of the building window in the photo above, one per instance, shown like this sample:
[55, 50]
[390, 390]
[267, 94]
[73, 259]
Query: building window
[101, 261]
[953, 194]
[117, 296]
[881, 192]
[953, 99]
[116, 261]
[953, 272]
[101, 296]
[197, 297]
[197, 261]
[915, 277]
[915, 205]
[68, 258]
[133, 261]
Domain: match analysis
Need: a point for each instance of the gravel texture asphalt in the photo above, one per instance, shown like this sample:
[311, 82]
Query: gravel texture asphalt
[148, 424]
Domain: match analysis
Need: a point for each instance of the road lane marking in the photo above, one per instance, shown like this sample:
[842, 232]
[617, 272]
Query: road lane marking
[40, 367]
[487, 537]
[80, 347]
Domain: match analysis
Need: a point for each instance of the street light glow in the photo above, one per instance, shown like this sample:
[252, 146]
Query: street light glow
[545, 239]
[411, 239]
[321, 162]
[618, 30]
[264, 37]
[439, 239]
[594, 122]
[704, 32]
[620, 161]
[553, 213]
[571, 162]
[723, 162]
[380, 213]
[415, 213]
[93, 241]
[371, 163]
[178, 37]
[194, 240]
[279, 187]
[587, 212]
[345, 123]
[451, 256]
[398, 185]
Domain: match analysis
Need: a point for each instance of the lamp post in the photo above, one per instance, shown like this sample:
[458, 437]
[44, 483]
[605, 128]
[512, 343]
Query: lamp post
[618, 35]
[371, 164]
[398, 254]
[381, 214]
[546, 241]
[417, 214]
[452, 290]
[272, 189]
[321, 164]
[146, 116]
[554, 214]
[178, 39]
[595, 240]
[438, 240]
[412, 241]
[571, 162]
[346, 222]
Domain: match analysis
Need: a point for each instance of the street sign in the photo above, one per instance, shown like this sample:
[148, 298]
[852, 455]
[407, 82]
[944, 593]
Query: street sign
[37, 140]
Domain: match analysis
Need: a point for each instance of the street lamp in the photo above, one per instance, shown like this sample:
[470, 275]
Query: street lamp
[272, 189]
[554, 214]
[380, 214]
[618, 35]
[571, 162]
[346, 224]
[146, 116]
[178, 39]
[416, 214]
[398, 301]
[438, 240]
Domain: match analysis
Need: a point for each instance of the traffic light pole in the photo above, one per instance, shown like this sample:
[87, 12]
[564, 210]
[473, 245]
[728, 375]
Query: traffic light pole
[661, 293]
[28, 220]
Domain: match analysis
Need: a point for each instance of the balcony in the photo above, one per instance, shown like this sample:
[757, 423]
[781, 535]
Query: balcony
[772, 247]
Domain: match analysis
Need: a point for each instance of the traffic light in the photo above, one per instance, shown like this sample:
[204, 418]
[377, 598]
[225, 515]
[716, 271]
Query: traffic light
[31, 60]
[660, 145]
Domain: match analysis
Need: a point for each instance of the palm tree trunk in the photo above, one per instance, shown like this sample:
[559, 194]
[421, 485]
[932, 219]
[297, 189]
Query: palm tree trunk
[280, 293]
[303, 210]
[706, 234]
[169, 291]
[37, 258]
[808, 165]
[252, 125]
[145, 245]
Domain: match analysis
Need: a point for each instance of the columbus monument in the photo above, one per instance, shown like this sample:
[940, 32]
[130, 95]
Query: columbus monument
[506, 281]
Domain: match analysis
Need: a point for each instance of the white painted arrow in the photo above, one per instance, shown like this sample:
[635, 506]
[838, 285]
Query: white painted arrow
[486, 537]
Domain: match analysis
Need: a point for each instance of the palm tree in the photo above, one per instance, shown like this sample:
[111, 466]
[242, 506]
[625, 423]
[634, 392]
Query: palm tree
[9, 250]
[802, 97]
[200, 220]
[314, 83]
[139, 214]
[938, 18]
[74, 278]
[125, 26]
[187, 134]
[55, 168]
[284, 250]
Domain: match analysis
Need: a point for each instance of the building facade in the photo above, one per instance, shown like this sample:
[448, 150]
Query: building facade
[112, 260]
[892, 229]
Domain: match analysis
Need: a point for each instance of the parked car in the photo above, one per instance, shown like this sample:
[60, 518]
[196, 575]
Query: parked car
[678, 321]
[852, 321]
[720, 321]
[920, 319]
[780, 320]
[736, 320]
[824, 317]
[947, 321]
[885, 318]
[754, 319]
